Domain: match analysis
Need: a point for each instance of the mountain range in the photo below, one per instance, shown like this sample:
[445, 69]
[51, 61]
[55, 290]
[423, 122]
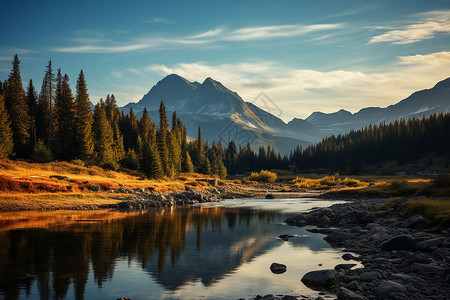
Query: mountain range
[223, 114]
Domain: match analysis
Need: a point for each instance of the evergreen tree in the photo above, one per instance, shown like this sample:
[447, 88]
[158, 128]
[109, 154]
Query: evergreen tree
[64, 120]
[203, 164]
[6, 141]
[130, 131]
[18, 110]
[186, 162]
[231, 155]
[83, 121]
[31, 100]
[44, 106]
[163, 140]
[103, 137]
[1, 88]
[146, 127]
[150, 163]
[113, 115]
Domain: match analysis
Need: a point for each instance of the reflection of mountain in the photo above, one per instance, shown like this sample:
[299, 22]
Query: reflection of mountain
[175, 246]
[215, 247]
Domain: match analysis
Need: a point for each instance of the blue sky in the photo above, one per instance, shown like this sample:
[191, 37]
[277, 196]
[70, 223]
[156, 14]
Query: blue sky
[305, 55]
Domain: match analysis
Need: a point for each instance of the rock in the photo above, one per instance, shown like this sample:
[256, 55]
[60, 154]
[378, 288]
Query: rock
[369, 276]
[428, 244]
[110, 191]
[428, 269]
[321, 278]
[277, 268]
[337, 238]
[388, 290]
[289, 297]
[285, 237]
[270, 196]
[400, 242]
[94, 188]
[416, 222]
[348, 256]
[344, 266]
[346, 294]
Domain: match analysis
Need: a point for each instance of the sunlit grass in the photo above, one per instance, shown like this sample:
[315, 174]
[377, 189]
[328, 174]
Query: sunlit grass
[327, 182]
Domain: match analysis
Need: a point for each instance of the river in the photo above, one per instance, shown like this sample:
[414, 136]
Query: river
[210, 251]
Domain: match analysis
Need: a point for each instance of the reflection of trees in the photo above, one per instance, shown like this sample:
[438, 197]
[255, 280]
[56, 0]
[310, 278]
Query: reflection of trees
[61, 256]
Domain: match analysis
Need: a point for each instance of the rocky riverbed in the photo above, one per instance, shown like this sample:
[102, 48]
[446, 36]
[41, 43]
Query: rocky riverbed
[402, 258]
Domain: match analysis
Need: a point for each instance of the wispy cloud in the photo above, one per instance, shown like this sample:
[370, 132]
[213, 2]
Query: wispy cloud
[429, 25]
[298, 92]
[99, 44]
[160, 21]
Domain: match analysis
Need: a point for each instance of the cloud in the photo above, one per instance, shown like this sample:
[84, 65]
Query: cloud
[97, 43]
[299, 92]
[430, 25]
[160, 21]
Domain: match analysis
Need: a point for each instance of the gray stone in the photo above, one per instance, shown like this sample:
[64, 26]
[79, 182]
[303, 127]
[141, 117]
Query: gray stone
[369, 276]
[348, 256]
[338, 238]
[285, 237]
[345, 294]
[428, 244]
[277, 268]
[289, 297]
[321, 278]
[390, 290]
[344, 266]
[400, 242]
[270, 196]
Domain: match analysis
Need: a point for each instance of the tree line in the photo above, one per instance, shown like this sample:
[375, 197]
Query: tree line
[56, 125]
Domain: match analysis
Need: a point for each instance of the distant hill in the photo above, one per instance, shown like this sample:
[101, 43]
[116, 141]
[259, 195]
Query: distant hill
[419, 104]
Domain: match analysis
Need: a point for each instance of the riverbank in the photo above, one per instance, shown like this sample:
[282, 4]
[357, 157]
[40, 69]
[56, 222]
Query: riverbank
[403, 258]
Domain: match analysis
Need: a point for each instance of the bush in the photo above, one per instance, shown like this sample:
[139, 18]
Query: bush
[398, 184]
[263, 176]
[78, 162]
[41, 153]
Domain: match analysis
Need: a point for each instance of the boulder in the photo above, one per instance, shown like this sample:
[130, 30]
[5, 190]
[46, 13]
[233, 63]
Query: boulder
[388, 290]
[270, 196]
[348, 256]
[428, 244]
[321, 278]
[400, 242]
[344, 266]
[346, 294]
[285, 237]
[277, 268]
[337, 238]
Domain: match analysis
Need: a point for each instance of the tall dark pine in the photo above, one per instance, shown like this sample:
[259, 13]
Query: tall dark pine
[203, 164]
[83, 121]
[112, 114]
[163, 140]
[31, 100]
[18, 110]
[44, 106]
[130, 131]
[103, 137]
[64, 123]
[6, 141]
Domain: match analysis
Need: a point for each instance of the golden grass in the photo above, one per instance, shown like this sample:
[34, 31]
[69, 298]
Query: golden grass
[20, 176]
[262, 176]
[327, 182]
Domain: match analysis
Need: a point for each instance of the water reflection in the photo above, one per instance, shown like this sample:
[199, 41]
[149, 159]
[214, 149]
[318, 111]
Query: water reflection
[72, 255]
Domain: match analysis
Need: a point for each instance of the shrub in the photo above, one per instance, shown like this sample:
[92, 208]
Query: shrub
[41, 153]
[398, 184]
[78, 162]
[130, 161]
[263, 176]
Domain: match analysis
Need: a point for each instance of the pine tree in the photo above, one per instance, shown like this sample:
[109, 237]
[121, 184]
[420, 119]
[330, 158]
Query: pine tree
[103, 137]
[83, 121]
[18, 110]
[130, 132]
[112, 114]
[1, 88]
[203, 164]
[44, 106]
[231, 155]
[150, 164]
[163, 140]
[146, 127]
[31, 100]
[186, 162]
[6, 141]
[64, 120]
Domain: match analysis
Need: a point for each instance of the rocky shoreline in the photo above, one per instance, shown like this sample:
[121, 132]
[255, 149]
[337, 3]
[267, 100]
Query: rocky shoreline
[402, 258]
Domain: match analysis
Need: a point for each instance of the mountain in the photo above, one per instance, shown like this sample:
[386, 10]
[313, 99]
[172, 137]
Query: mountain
[418, 104]
[222, 114]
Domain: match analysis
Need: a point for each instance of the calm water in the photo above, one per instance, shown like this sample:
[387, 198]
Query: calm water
[219, 251]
